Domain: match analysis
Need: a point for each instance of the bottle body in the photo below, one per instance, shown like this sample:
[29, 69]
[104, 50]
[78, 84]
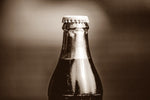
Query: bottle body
[75, 76]
[69, 82]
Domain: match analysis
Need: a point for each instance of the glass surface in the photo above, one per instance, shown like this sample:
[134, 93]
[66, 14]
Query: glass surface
[75, 77]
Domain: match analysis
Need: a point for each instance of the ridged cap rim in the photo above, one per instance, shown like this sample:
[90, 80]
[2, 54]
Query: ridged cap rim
[75, 19]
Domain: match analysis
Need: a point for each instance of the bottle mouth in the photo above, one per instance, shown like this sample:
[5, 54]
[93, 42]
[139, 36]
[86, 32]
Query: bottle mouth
[68, 26]
[75, 19]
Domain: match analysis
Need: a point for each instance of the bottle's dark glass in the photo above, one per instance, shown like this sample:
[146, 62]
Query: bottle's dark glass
[75, 76]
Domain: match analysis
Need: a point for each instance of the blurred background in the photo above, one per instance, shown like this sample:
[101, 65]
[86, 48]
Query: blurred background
[31, 38]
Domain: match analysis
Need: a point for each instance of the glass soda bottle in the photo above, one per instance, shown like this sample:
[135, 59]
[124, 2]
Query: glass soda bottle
[75, 76]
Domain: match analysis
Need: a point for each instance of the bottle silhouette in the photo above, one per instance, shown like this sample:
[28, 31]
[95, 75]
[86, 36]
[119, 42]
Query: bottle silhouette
[75, 76]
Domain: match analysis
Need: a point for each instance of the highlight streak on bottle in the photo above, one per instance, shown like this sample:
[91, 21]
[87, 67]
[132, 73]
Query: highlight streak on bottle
[78, 41]
[82, 74]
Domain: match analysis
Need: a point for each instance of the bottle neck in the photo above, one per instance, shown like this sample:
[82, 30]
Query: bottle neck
[75, 41]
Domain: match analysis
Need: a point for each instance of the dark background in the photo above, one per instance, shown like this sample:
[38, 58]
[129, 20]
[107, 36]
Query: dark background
[31, 39]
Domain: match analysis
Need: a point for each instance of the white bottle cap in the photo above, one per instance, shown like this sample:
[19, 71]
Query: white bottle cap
[75, 19]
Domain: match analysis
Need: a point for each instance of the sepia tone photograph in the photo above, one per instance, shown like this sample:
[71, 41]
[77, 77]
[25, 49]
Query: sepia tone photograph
[75, 50]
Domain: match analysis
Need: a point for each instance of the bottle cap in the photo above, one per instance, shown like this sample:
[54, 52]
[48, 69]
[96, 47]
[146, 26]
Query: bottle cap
[75, 19]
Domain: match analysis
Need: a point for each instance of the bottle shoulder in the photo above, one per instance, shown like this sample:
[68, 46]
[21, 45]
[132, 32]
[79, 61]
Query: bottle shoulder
[76, 76]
